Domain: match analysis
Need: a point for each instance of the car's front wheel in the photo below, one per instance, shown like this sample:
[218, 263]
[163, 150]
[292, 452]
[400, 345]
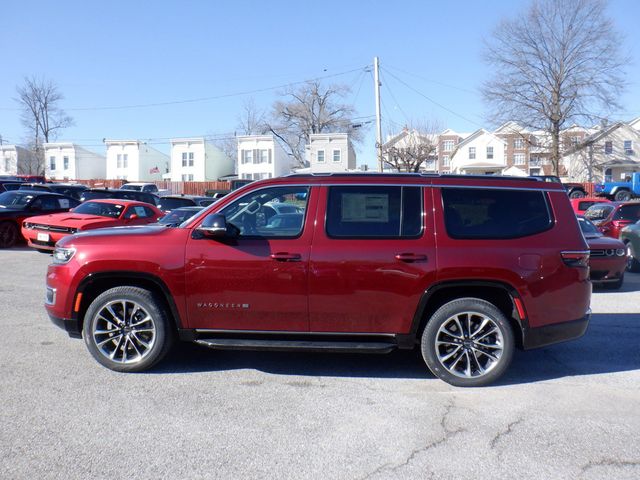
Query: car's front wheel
[468, 343]
[577, 194]
[633, 263]
[8, 234]
[126, 329]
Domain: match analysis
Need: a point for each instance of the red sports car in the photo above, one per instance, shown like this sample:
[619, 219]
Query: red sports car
[42, 232]
[607, 256]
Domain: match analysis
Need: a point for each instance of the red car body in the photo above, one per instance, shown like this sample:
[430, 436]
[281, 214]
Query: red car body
[581, 205]
[44, 231]
[317, 284]
[612, 217]
[607, 257]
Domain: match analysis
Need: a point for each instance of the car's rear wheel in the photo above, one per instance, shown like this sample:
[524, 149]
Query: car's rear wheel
[126, 329]
[8, 234]
[623, 196]
[468, 343]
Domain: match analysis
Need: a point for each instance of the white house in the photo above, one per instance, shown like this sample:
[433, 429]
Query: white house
[15, 160]
[330, 152]
[194, 159]
[413, 141]
[135, 161]
[611, 153]
[67, 161]
[480, 153]
[260, 156]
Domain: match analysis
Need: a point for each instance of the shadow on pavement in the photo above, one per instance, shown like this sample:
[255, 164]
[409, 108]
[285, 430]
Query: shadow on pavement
[610, 345]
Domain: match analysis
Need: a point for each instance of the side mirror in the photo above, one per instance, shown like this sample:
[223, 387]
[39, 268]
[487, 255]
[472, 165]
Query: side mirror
[215, 226]
[133, 217]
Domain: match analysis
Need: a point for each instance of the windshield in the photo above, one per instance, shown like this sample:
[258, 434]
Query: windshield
[588, 228]
[15, 199]
[131, 187]
[598, 212]
[179, 215]
[628, 212]
[101, 209]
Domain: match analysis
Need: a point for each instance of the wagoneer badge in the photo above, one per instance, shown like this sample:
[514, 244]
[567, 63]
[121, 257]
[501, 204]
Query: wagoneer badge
[222, 305]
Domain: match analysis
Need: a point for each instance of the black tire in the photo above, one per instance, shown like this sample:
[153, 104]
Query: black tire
[108, 331]
[8, 234]
[483, 369]
[622, 196]
[617, 285]
[633, 263]
[577, 194]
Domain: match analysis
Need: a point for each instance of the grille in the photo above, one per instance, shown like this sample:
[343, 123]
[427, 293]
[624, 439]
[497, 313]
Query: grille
[609, 252]
[50, 228]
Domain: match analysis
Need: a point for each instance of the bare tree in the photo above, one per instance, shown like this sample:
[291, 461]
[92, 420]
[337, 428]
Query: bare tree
[311, 108]
[558, 63]
[42, 116]
[251, 121]
[412, 148]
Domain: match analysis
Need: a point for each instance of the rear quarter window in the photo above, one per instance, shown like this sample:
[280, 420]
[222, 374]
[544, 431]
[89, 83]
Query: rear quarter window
[473, 213]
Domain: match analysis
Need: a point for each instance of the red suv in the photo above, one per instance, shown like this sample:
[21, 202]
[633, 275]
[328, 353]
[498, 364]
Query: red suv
[467, 268]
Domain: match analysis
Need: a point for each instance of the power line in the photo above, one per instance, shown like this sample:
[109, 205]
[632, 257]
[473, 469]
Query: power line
[204, 99]
[433, 101]
[437, 82]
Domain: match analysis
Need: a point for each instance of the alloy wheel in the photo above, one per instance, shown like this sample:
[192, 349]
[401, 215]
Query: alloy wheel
[469, 344]
[124, 332]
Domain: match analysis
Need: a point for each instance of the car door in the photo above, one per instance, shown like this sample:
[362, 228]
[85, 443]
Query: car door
[258, 281]
[372, 258]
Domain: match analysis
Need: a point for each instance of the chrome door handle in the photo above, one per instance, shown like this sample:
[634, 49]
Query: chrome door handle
[411, 257]
[286, 257]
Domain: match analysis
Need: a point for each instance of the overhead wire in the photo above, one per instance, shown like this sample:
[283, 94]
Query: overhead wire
[204, 99]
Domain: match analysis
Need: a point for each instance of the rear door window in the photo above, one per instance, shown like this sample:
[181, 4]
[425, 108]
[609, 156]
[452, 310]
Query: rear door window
[628, 212]
[494, 213]
[374, 211]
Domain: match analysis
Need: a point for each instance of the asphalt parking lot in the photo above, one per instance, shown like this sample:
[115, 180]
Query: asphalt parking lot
[568, 411]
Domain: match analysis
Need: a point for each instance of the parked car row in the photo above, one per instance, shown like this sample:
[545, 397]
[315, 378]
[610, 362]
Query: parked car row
[612, 230]
[75, 208]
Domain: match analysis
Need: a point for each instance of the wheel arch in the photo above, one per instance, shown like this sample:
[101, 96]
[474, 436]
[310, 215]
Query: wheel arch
[94, 284]
[500, 294]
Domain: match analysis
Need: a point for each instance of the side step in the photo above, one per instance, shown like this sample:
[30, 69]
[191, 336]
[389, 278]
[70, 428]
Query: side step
[314, 346]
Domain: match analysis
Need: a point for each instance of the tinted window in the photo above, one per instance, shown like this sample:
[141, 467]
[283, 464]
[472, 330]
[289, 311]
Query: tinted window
[15, 199]
[582, 206]
[628, 212]
[588, 228]
[167, 204]
[492, 213]
[92, 195]
[374, 212]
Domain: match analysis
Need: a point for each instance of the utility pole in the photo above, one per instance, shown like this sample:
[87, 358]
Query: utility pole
[376, 75]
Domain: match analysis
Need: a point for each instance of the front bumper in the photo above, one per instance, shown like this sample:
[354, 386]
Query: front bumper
[70, 325]
[555, 333]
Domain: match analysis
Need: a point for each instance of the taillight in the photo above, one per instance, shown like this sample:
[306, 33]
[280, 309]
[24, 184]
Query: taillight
[621, 223]
[576, 258]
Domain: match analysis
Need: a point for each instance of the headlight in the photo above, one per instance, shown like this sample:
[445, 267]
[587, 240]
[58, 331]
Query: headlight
[63, 255]
[621, 252]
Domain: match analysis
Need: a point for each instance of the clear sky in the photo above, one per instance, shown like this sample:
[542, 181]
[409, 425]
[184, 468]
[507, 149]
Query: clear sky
[125, 53]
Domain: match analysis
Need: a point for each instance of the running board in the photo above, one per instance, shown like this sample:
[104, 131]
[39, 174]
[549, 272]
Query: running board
[317, 346]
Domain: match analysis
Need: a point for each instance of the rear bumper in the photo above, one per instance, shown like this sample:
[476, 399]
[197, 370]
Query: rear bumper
[71, 326]
[556, 333]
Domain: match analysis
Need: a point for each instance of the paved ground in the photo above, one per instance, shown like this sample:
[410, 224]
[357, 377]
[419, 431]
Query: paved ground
[569, 411]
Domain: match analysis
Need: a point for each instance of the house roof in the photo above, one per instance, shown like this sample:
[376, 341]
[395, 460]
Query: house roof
[510, 127]
[476, 134]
